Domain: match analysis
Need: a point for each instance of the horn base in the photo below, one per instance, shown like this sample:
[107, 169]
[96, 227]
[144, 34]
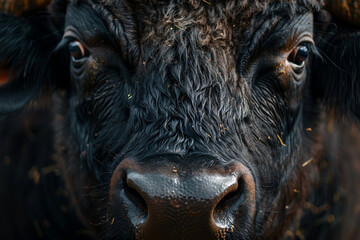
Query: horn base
[18, 8]
[346, 10]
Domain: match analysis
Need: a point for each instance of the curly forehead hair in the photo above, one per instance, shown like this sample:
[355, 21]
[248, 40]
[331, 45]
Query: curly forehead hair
[187, 13]
[222, 24]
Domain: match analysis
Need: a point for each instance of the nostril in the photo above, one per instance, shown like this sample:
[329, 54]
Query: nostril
[135, 202]
[229, 206]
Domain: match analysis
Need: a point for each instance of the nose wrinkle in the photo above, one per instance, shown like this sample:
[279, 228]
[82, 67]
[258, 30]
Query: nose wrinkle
[203, 187]
[199, 203]
[176, 204]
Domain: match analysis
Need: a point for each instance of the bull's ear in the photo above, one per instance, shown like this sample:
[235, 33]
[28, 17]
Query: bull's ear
[26, 46]
[336, 76]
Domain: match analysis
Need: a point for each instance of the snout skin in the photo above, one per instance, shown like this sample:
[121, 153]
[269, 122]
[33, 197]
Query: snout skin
[169, 202]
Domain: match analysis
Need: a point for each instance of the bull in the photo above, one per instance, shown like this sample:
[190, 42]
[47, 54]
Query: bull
[186, 119]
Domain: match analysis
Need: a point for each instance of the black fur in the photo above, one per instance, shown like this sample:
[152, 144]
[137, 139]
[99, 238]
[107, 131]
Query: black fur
[190, 79]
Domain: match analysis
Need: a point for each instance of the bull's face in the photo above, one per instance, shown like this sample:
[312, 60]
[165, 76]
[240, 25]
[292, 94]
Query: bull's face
[184, 120]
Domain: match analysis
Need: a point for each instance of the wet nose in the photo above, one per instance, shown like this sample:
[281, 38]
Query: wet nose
[183, 204]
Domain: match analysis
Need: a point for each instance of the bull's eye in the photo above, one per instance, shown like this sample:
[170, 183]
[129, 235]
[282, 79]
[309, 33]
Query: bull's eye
[76, 50]
[299, 55]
